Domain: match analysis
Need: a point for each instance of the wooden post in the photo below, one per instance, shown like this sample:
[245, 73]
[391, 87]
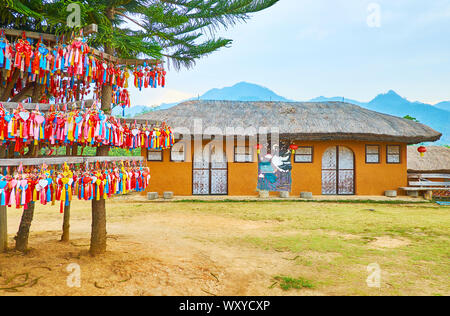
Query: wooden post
[3, 229]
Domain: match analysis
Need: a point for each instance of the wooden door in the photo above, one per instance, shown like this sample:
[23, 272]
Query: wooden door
[210, 171]
[338, 171]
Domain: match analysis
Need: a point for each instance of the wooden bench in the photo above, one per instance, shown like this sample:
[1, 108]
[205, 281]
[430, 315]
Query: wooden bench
[424, 182]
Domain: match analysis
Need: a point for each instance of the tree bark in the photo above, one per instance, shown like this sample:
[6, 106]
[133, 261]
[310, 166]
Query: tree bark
[98, 233]
[66, 221]
[37, 92]
[11, 149]
[24, 93]
[10, 85]
[24, 228]
[27, 216]
[3, 229]
[66, 224]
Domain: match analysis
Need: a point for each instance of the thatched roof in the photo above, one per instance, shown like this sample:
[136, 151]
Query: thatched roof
[300, 120]
[436, 160]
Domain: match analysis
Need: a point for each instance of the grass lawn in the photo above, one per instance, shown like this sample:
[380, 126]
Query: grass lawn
[254, 248]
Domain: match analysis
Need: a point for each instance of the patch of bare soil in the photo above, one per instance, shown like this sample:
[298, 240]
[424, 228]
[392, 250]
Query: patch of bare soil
[389, 242]
[158, 254]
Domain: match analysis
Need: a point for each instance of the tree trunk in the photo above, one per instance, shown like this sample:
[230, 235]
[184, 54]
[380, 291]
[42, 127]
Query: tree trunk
[10, 85]
[66, 221]
[98, 233]
[3, 229]
[24, 228]
[27, 216]
[37, 92]
[66, 224]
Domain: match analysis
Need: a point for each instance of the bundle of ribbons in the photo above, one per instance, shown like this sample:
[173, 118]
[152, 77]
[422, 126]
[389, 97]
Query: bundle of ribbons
[49, 186]
[84, 127]
[68, 70]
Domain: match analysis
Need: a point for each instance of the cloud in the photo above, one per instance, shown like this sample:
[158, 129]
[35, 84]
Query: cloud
[150, 97]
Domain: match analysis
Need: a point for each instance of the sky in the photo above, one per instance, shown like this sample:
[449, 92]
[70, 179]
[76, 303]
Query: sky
[302, 49]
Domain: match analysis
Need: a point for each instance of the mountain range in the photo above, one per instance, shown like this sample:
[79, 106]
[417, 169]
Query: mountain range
[436, 116]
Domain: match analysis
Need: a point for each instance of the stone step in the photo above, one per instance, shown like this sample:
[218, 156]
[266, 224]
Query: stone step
[168, 195]
[152, 196]
[306, 195]
[391, 193]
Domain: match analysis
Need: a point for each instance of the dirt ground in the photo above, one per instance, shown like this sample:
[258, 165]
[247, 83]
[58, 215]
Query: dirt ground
[234, 249]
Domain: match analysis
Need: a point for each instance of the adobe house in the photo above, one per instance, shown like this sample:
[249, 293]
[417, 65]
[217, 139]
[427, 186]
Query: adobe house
[343, 149]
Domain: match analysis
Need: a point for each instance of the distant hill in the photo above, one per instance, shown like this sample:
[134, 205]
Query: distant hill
[393, 104]
[243, 91]
[132, 111]
[436, 116]
[443, 105]
[336, 99]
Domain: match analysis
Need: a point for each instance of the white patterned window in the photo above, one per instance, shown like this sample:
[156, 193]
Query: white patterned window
[243, 154]
[155, 155]
[373, 154]
[393, 154]
[304, 155]
[178, 153]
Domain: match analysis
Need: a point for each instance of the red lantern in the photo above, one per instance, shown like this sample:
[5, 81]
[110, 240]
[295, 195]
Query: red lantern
[259, 147]
[293, 148]
[422, 150]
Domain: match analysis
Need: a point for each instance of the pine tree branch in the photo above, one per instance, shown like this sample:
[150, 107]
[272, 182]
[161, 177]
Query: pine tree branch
[24, 93]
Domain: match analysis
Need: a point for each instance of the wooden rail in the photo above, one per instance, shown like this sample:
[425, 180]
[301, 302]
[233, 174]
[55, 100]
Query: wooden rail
[90, 29]
[44, 107]
[423, 182]
[428, 176]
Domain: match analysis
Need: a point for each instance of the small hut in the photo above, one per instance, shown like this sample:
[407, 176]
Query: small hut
[435, 160]
[337, 148]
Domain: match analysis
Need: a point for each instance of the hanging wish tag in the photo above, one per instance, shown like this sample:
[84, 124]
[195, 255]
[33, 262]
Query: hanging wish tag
[43, 183]
[39, 119]
[24, 115]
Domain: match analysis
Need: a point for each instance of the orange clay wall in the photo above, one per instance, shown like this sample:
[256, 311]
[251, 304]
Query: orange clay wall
[370, 179]
[170, 176]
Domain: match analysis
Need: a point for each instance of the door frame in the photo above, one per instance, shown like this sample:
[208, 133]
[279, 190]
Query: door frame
[209, 173]
[337, 171]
